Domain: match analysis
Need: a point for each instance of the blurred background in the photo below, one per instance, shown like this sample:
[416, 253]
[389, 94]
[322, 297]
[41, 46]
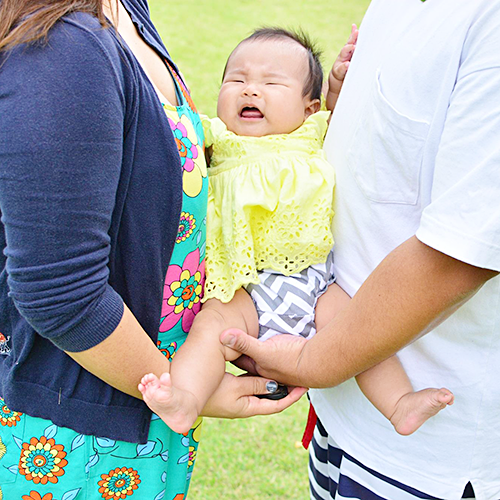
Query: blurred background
[259, 458]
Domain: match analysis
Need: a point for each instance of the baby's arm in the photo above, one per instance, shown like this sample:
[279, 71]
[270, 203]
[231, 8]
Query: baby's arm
[339, 69]
[198, 366]
[386, 385]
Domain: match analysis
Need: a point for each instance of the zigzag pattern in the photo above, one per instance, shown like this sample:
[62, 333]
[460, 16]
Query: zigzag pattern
[286, 304]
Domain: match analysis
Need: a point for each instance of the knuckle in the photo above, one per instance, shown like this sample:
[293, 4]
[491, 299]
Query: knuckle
[240, 341]
[258, 386]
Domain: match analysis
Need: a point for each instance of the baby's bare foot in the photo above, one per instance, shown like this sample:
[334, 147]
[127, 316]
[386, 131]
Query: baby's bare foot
[414, 408]
[176, 407]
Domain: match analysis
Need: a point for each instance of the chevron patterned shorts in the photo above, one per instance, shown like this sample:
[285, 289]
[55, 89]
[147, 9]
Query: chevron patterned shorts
[286, 304]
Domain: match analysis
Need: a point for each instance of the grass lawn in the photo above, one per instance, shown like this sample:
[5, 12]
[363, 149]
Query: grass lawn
[200, 34]
[258, 458]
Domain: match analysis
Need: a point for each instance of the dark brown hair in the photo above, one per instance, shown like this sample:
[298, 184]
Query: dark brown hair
[314, 82]
[28, 21]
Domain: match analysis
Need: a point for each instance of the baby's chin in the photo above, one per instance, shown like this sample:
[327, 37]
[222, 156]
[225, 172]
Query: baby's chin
[255, 129]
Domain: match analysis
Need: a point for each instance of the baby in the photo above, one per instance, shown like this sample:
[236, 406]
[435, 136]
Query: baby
[269, 243]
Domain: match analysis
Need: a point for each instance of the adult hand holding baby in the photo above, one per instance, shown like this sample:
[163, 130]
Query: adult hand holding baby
[277, 358]
[235, 397]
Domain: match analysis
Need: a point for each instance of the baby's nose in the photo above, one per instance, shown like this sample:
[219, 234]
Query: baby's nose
[251, 90]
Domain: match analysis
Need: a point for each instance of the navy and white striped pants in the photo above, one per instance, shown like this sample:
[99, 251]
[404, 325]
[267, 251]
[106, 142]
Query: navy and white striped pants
[333, 474]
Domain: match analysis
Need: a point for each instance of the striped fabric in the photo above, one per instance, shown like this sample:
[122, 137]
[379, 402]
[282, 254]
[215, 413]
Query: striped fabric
[333, 474]
[286, 304]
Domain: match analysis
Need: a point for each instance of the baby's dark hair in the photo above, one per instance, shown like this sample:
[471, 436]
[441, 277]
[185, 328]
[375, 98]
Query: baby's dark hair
[314, 83]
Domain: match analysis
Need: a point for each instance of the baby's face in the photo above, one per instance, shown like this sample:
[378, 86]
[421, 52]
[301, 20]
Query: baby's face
[261, 93]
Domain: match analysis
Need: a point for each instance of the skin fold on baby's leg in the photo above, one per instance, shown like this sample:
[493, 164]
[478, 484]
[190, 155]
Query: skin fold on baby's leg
[386, 385]
[200, 363]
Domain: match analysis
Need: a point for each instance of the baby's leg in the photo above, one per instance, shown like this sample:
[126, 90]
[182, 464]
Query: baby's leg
[329, 305]
[389, 389]
[199, 365]
[386, 385]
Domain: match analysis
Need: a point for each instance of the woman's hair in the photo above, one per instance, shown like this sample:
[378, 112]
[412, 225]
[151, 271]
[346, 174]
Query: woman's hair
[28, 21]
[314, 83]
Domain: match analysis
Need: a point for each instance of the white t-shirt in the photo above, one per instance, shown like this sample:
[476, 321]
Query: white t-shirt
[415, 141]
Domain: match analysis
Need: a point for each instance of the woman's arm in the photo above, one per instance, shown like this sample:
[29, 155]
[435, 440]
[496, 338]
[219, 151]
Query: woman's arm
[234, 398]
[124, 357]
[63, 109]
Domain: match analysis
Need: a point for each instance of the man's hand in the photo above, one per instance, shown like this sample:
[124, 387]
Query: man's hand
[411, 291]
[235, 398]
[276, 358]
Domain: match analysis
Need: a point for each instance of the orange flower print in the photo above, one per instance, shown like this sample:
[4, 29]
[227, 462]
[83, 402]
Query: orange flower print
[119, 483]
[169, 351]
[7, 416]
[34, 495]
[187, 224]
[42, 460]
[4, 344]
[179, 496]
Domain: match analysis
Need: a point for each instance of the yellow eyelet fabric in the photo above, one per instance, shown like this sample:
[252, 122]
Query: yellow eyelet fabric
[269, 204]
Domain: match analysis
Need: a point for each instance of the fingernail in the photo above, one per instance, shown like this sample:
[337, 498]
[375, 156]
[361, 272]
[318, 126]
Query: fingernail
[229, 341]
[272, 386]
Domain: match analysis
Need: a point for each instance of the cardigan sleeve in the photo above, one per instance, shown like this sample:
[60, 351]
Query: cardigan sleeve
[61, 135]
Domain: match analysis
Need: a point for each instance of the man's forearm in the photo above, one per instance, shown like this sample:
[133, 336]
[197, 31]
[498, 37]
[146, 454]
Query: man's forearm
[409, 293]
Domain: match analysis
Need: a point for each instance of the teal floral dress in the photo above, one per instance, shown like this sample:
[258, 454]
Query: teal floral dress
[48, 462]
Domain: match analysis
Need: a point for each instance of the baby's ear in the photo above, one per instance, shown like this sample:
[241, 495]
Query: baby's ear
[312, 107]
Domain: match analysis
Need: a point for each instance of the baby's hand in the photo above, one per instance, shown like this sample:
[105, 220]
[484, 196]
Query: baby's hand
[343, 60]
[339, 69]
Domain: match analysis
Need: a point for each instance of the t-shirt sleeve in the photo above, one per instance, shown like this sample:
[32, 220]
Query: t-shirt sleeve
[463, 218]
[61, 135]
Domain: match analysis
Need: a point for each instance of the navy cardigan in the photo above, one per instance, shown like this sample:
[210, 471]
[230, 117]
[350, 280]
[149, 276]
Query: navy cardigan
[90, 198]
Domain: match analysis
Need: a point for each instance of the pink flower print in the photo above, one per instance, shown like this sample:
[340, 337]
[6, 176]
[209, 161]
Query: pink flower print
[194, 167]
[182, 292]
[188, 151]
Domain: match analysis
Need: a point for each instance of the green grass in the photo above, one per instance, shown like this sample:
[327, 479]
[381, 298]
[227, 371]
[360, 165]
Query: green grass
[200, 34]
[256, 458]
[259, 458]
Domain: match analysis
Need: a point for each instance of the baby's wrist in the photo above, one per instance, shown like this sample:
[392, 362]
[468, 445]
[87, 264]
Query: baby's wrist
[334, 83]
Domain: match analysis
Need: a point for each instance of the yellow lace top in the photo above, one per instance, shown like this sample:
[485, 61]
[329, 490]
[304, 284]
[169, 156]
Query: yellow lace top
[269, 204]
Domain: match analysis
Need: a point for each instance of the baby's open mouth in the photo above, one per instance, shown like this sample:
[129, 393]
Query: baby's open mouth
[250, 113]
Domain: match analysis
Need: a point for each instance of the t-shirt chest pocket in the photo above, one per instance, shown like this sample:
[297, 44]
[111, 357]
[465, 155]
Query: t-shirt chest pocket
[386, 150]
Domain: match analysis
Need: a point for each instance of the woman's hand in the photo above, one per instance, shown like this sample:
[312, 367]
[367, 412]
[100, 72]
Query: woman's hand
[277, 358]
[235, 398]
